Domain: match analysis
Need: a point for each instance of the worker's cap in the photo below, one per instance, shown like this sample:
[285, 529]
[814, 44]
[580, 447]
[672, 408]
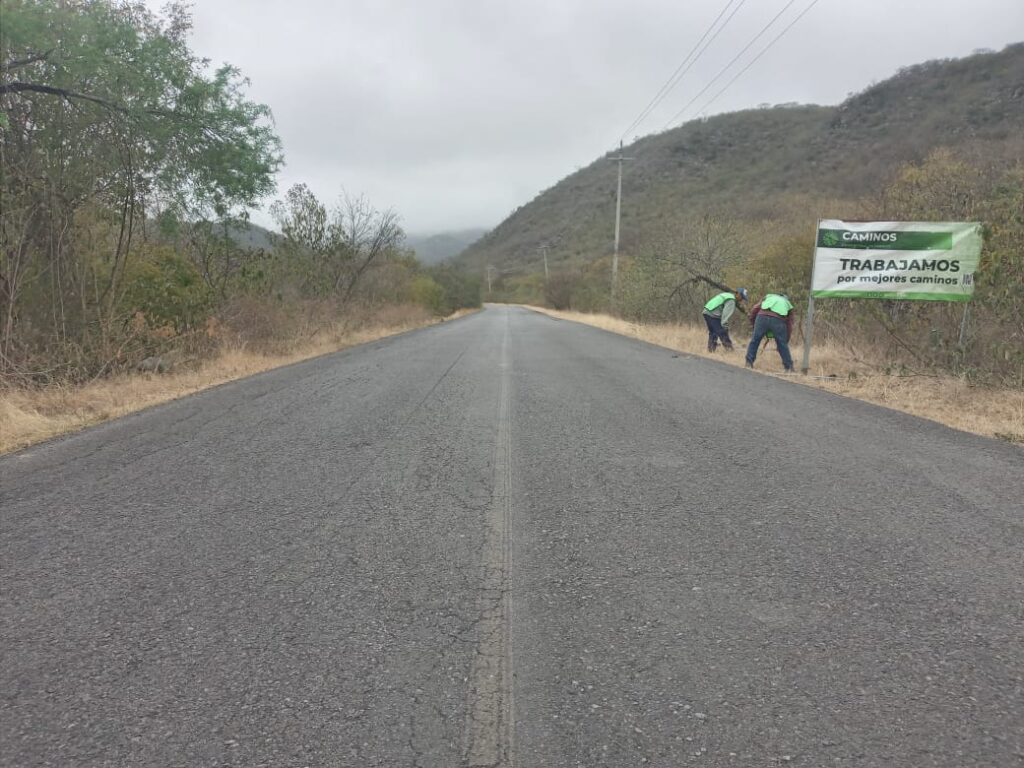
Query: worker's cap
[742, 293]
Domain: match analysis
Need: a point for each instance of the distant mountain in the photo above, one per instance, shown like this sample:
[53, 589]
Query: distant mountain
[432, 249]
[429, 249]
[750, 163]
[249, 235]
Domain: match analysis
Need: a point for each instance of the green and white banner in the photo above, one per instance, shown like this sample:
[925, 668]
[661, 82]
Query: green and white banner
[932, 261]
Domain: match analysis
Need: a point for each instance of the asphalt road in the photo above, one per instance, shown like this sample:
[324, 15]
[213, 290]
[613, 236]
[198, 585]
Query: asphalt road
[513, 541]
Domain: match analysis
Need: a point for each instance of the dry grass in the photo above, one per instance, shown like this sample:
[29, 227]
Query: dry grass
[29, 416]
[846, 371]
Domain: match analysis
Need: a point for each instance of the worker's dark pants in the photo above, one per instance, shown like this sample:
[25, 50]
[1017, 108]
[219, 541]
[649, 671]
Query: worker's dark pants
[717, 331]
[762, 325]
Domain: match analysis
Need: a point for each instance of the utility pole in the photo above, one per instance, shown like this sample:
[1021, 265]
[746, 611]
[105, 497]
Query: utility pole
[489, 270]
[544, 250]
[618, 218]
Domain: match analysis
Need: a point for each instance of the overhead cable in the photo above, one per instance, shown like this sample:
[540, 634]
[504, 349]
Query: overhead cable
[728, 66]
[685, 66]
[754, 60]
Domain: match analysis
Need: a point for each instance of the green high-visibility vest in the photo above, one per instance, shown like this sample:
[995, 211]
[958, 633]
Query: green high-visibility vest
[718, 301]
[777, 304]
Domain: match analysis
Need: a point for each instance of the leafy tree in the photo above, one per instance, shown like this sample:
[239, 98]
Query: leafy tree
[105, 109]
[426, 292]
[166, 291]
[461, 289]
[558, 291]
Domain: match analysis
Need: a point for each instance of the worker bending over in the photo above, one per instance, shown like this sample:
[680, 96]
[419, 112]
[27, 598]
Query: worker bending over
[774, 314]
[717, 314]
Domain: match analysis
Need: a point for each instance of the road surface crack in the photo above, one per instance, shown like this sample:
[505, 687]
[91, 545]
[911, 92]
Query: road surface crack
[489, 722]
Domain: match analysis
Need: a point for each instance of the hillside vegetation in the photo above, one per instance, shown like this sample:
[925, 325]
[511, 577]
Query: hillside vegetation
[736, 197]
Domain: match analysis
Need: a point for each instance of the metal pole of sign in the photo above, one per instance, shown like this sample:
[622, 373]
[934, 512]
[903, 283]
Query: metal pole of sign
[963, 325]
[805, 366]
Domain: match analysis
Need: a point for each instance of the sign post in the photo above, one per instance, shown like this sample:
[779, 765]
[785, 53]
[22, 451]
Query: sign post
[805, 364]
[908, 260]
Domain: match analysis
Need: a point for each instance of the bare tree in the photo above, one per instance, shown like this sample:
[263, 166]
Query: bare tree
[337, 246]
[684, 260]
[367, 234]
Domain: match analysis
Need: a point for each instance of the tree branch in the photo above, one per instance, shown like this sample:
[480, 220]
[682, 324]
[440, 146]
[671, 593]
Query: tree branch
[16, 63]
[71, 96]
[64, 93]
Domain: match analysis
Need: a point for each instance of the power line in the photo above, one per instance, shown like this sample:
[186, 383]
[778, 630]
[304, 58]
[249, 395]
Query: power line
[762, 53]
[728, 66]
[680, 72]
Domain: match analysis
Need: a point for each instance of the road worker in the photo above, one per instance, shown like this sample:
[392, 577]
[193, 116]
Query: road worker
[717, 313]
[773, 314]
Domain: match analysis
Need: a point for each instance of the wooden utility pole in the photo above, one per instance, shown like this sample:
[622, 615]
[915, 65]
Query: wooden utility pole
[544, 250]
[618, 217]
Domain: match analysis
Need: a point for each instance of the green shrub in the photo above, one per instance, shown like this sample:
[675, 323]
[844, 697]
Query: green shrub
[427, 293]
[167, 290]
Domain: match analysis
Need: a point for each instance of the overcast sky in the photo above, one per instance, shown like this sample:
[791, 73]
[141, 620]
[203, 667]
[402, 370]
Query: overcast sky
[454, 112]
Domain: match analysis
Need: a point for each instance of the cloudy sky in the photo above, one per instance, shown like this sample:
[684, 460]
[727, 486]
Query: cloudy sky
[454, 112]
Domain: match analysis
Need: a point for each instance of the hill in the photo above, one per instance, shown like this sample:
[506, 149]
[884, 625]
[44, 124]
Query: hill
[433, 249]
[249, 235]
[750, 163]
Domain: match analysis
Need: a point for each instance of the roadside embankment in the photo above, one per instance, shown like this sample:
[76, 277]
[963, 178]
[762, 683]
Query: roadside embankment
[949, 400]
[31, 415]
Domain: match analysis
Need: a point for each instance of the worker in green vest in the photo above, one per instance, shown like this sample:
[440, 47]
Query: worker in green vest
[717, 313]
[774, 314]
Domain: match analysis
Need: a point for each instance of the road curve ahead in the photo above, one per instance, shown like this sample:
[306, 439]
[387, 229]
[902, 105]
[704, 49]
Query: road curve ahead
[513, 541]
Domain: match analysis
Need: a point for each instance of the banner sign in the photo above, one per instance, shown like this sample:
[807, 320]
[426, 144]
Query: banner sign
[932, 261]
